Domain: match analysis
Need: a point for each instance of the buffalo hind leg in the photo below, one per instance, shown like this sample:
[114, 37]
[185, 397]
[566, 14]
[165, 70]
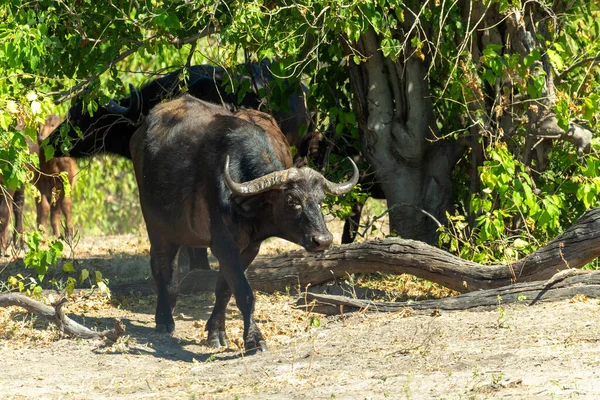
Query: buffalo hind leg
[66, 206]
[163, 260]
[215, 326]
[5, 211]
[55, 214]
[230, 276]
[198, 258]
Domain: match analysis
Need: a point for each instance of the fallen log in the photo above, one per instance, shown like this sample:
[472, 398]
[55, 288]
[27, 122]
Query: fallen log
[562, 286]
[56, 315]
[294, 271]
[577, 246]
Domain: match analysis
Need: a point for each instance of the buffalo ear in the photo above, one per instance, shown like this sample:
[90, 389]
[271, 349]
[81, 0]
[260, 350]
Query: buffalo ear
[248, 206]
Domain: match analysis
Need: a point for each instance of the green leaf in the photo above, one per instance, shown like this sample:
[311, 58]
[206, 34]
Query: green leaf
[68, 267]
[531, 58]
[556, 59]
[37, 292]
[85, 274]
[314, 322]
[48, 152]
[70, 286]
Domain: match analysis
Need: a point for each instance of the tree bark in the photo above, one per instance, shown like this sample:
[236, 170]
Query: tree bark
[398, 134]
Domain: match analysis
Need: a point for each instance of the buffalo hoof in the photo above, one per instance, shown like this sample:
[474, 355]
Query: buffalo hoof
[255, 342]
[255, 347]
[165, 328]
[218, 339]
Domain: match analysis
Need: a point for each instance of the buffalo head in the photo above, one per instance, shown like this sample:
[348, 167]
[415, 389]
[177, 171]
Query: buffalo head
[108, 130]
[295, 196]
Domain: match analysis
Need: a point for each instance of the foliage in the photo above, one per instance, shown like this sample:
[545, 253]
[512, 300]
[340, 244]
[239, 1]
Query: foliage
[520, 207]
[43, 256]
[105, 199]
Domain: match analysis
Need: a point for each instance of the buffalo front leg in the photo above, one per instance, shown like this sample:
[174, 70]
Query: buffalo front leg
[231, 275]
[18, 207]
[163, 260]
[5, 211]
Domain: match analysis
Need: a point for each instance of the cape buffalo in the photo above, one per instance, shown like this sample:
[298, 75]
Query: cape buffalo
[110, 129]
[207, 178]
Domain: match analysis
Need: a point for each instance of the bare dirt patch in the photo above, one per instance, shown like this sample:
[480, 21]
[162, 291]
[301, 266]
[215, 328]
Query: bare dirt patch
[548, 350]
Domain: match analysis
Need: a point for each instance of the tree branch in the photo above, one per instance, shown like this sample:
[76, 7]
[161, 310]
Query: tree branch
[177, 42]
[584, 282]
[81, 86]
[578, 64]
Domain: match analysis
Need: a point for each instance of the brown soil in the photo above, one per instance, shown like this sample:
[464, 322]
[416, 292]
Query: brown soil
[545, 351]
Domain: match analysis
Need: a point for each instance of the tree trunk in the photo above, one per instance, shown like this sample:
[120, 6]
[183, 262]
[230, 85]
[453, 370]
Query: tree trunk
[397, 124]
[395, 117]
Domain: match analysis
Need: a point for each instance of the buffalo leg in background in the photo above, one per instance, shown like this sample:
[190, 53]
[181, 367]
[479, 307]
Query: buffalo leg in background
[198, 258]
[215, 326]
[163, 260]
[43, 211]
[63, 206]
[351, 224]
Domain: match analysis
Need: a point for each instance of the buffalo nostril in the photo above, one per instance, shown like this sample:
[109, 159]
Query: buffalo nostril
[323, 241]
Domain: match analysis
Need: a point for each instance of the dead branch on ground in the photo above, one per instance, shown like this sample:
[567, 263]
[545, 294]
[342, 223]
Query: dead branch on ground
[56, 315]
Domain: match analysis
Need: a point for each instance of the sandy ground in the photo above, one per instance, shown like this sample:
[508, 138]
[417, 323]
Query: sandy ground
[546, 351]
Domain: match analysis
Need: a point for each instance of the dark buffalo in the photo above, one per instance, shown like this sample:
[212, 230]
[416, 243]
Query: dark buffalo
[107, 131]
[110, 128]
[210, 179]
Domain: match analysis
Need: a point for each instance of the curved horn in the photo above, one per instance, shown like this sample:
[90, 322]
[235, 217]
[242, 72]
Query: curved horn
[258, 185]
[115, 108]
[342, 188]
[134, 101]
[132, 111]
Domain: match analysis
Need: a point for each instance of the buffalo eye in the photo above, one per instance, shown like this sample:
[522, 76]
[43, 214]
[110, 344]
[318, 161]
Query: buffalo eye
[294, 204]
